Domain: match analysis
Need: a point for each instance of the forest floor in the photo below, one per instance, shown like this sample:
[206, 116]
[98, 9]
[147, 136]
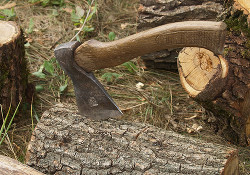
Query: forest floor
[160, 100]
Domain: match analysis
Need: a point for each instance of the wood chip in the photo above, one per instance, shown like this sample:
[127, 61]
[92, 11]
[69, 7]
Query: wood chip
[8, 6]
[189, 118]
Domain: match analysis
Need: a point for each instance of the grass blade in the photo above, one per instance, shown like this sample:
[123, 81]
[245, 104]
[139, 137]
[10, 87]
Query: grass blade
[9, 122]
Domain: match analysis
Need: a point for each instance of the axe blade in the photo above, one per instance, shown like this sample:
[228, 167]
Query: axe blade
[92, 99]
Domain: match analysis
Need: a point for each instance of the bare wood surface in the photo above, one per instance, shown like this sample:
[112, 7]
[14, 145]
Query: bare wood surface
[8, 31]
[93, 55]
[10, 166]
[220, 85]
[13, 68]
[203, 75]
[66, 143]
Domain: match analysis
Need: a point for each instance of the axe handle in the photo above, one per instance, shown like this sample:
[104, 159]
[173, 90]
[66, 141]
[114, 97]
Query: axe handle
[94, 55]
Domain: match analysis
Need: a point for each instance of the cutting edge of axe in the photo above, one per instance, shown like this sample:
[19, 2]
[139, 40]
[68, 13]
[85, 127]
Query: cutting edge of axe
[78, 59]
[92, 99]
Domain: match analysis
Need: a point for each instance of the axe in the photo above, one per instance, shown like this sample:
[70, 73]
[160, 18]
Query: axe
[79, 60]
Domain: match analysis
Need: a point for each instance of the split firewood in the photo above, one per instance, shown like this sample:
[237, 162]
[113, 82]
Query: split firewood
[73, 144]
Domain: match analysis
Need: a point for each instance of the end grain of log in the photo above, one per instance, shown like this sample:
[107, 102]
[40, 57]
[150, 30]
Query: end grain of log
[202, 74]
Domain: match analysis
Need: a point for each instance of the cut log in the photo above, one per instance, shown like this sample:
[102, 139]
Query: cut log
[202, 74]
[64, 142]
[10, 166]
[152, 13]
[13, 67]
[220, 86]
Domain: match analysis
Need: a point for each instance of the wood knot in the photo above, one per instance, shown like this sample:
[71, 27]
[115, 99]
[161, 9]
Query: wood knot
[205, 61]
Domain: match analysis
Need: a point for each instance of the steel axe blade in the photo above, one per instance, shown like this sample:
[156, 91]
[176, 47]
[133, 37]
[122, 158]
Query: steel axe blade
[92, 99]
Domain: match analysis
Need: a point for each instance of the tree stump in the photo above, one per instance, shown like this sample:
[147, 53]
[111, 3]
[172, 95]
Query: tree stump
[154, 13]
[64, 142]
[221, 86]
[13, 67]
[10, 166]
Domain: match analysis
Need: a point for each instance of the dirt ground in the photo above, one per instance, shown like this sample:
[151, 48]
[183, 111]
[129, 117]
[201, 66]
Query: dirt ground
[150, 96]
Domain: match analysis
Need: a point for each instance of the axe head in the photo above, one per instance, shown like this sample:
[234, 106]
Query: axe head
[92, 99]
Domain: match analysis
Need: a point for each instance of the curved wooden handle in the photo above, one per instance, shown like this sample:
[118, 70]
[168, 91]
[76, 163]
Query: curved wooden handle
[94, 55]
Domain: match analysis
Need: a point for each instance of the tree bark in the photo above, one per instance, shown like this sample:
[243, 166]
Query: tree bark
[154, 13]
[220, 85]
[64, 142]
[13, 67]
[10, 166]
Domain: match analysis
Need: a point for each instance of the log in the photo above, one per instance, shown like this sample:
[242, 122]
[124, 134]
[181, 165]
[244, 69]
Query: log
[10, 166]
[64, 142]
[13, 66]
[220, 85]
[202, 74]
[152, 13]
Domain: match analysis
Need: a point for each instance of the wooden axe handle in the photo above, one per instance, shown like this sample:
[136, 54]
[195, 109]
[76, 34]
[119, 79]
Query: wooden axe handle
[94, 55]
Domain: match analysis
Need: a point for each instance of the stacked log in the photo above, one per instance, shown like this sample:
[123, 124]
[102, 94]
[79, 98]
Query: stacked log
[154, 13]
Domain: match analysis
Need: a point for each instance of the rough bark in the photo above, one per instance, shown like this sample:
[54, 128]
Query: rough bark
[13, 71]
[153, 13]
[10, 166]
[220, 85]
[67, 143]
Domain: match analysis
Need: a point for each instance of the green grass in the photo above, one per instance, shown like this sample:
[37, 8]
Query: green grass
[4, 130]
